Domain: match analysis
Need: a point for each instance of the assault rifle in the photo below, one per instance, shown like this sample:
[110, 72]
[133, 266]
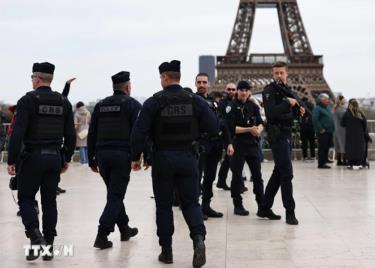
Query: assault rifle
[290, 94]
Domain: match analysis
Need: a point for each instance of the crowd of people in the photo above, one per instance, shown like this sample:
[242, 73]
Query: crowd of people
[183, 136]
[336, 126]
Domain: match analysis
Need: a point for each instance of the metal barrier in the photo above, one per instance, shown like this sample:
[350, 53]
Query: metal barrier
[371, 126]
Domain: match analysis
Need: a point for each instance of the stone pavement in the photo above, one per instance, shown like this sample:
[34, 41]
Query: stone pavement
[336, 210]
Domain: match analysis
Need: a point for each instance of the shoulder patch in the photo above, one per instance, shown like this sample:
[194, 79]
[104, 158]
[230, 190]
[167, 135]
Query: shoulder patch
[228, 109]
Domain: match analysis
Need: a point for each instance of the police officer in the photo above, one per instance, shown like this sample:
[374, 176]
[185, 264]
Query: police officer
[44, 123]
[280, 112]
[174, 119]
[245, 123]
[230, 89]
[212, 148]
[109, 154]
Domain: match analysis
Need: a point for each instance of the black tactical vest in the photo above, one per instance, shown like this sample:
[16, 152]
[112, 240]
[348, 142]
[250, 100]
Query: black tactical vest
[245, 117]
[47, 123]
[175, 123]
[113, 122]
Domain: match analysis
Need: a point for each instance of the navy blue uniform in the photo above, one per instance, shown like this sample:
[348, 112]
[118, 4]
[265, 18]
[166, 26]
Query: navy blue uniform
[245, 148]
[212, 149]
[307, 131]
[280, 116]
[173, 163]
[41, 145]
[225, 164]
[108, 147]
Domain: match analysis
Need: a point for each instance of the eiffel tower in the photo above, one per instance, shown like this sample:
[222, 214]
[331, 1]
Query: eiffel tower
[305, 69]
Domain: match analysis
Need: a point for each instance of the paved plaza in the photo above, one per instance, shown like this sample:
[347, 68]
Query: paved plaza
[336, 210]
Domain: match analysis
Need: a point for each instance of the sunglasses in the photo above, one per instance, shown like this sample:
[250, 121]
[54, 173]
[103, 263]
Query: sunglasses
[231, 89]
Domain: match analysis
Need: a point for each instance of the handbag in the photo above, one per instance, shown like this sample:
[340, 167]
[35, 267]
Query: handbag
[83, 133]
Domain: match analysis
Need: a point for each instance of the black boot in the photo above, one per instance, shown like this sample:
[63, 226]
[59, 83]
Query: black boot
[344, 161]
[223, 185]
[60, 190]
[267, 213]
[49, 242]
[166, 255]
[291, 218]
[339, 161]
[238, 207]
[243, 189]
[241, 211]
[36, 239]
[101, 240]
[209, 212]
[127, 232]
[199, 258]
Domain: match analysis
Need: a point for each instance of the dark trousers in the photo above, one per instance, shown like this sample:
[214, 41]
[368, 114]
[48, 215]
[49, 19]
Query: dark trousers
[308, 140]
[2, 141]
[17, 174]
[176, 169]
[237, 163]
[282, 174]
[208, 161]
[324, 143]
[114, 167]
[39, 170]
[223, 171]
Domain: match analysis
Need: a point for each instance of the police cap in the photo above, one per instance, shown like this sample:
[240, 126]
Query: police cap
[173, 66]
[120, 77]
[44, 67]
[244, 85]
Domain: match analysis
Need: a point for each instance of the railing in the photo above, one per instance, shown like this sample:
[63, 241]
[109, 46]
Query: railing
[268, 59]
[371, 126]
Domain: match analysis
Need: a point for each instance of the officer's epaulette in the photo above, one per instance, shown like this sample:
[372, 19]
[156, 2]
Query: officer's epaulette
[30, 93]
[35, 94]
[159, 94]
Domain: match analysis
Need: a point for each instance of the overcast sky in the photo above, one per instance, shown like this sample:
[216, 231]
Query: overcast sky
[92, 40]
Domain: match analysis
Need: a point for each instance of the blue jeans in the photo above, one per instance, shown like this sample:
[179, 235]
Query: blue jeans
[83, 157]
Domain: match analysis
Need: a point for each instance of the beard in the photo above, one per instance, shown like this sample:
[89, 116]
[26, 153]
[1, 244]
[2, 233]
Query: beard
[202, 90]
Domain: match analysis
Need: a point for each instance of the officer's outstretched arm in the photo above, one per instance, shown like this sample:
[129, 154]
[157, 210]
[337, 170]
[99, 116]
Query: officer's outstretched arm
[69, 133]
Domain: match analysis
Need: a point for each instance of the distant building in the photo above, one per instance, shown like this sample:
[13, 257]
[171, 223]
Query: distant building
[367, 103]
[207, 65]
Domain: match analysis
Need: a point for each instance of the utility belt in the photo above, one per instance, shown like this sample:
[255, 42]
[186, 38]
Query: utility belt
[27, 150]
[191, 146]
[53, 150]
[274, 131]
[204, 138]
[246, 142]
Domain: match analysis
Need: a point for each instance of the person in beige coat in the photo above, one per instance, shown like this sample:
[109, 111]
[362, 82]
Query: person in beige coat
[82, 118]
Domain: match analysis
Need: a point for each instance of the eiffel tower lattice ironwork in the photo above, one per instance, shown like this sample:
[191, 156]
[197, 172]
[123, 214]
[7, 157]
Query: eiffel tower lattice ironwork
[305, 68]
